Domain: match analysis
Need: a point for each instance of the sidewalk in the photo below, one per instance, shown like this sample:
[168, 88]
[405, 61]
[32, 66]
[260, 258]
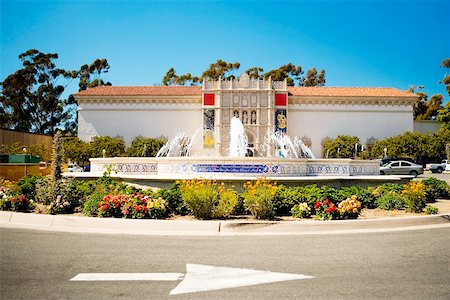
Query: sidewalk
[62, 223]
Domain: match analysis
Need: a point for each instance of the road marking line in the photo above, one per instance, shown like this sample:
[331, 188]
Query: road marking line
[128, 276]
[200, 278]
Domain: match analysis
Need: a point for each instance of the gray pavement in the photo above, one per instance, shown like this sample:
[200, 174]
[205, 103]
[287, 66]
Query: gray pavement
[388, 265]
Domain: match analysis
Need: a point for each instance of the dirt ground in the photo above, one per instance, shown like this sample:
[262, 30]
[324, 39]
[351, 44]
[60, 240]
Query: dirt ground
[442, 205]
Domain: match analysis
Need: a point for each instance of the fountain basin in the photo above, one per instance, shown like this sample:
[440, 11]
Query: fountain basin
[161, 172]
[230, 167]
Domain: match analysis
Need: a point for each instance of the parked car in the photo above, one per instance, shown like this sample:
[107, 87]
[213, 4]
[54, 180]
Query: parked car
[401, 167]
[437, 168]
[387, 160]
[74, 168]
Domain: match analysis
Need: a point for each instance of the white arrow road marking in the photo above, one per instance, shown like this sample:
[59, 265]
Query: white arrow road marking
[199, 278]
[127, 276]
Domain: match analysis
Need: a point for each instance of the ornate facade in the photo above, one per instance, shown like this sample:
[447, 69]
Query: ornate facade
[311, 113]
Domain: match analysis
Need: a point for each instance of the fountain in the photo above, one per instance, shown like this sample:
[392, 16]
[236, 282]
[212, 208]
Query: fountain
[238, 139]
[220, 149]
[279, 158]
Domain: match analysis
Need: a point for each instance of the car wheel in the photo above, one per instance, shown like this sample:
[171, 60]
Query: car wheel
[413, 173]
[381, 172]
[439, 170]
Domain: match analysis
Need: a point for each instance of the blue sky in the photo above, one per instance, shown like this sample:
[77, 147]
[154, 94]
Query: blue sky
[358, 43]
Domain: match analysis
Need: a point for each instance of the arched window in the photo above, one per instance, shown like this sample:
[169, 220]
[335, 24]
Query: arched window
[253, 117]
[244, 117]
[236, 113]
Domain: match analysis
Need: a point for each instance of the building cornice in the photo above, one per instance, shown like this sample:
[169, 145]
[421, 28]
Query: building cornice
[162, 99]
[354, 100]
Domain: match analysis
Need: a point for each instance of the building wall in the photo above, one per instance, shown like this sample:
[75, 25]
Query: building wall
[318, 122]
[131, 120]
[427, 126]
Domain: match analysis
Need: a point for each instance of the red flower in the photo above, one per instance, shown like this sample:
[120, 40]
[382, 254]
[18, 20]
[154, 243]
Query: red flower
[327, 202]
[317, 204]
[331, 209]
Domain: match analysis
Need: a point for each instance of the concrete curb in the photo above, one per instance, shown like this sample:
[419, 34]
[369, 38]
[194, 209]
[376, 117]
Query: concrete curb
[61, 223]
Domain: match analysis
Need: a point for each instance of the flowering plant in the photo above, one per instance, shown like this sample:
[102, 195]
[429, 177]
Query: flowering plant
[258, 197]
[350, 208]
[201, 196]
[134, 206]
[60, 205]
[301, 210]
[415, 196]
[326, 210]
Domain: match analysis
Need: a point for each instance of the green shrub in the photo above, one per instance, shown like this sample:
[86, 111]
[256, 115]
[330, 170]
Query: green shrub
[90, 206]
[435, 189]
[301, 210]
[287, 197]
[390, 200]
[175, 203]
[431, 210]
[350, 208]
[386, 188]
[364, 195]
[16, 203]
[201, 196]
[27, 185]
[414, 195]
[326, 210]
[258, 197]
[228, 201]
[151, 145]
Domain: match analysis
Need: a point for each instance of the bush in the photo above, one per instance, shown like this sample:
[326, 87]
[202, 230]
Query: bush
[431, 210]
[386, 188]
[390, 200]
[201, 196]
[325, 210]
[113, 146]
[366, 198]
[258, 197]
[350, 208]
[435, 189]
[151, 145]
[90, 206]
[414, 195]
[132, 206]
[16, 203]
[228, 201]
[301, 210]
[288, 197]
[27, 185]
[175, 203]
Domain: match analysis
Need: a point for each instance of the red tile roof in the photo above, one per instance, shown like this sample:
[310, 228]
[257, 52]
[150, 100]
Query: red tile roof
[142, 91]
[348, 92]
[197, 91]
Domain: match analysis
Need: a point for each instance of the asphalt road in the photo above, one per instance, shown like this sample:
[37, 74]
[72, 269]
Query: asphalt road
[394, 265]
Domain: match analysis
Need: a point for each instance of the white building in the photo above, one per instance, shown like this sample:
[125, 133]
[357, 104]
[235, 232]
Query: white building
[311, 113]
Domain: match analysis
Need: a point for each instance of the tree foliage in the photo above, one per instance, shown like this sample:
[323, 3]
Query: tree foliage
[90, 75]
[226, 70]
[76, 150]
[220, 69]
[31, 97]
[150, 145]
[313, 78]
[171, 78]
[343, 146]
[114, 146]
[424, 108]
[446, 80]
[419, 146]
